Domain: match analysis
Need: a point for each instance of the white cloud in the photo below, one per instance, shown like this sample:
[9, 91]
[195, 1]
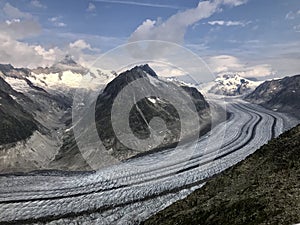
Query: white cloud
[262, 70]
[14, 13]
[228, 23]
[229, 64]
[37, 4]
[9, 22]
[297, 28]
[234, 2]
[219, 22]
[25, 55]
[291, 15]
[18, 24]
[165, 70]
[21, 54]
[19, 29]
[61, 24]
[140, 4]
[91, 7]
[56, 21]
[80, 44]
[174, 28]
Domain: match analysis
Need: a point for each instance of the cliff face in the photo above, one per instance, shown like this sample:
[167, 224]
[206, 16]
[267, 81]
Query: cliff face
[16, 123]
[263, 189]
[280, 95]
[146, 109]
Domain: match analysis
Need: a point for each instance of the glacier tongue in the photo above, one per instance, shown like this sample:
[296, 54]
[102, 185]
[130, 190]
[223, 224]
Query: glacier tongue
[134, 190]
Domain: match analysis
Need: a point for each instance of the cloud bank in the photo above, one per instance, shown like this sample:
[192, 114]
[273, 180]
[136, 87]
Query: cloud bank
[223, 64]
[174, 28]
[20, 25]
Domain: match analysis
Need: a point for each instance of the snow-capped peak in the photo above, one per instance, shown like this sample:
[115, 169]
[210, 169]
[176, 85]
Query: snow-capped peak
[232, 85]
[68, 60]
[63, 75]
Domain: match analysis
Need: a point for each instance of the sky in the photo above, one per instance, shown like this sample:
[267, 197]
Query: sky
[254, 38]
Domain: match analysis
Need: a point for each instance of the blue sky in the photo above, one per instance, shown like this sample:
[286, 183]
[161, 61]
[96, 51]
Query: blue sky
[256, 38]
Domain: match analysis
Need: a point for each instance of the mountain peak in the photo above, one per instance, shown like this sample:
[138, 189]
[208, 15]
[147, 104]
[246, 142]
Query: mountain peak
[68, 63]
[148, 70]
[145, 68]
[68, 60]
[6, 67]
[232, 84]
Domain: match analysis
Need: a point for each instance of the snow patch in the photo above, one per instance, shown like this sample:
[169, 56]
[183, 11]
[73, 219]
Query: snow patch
[19, 85]
[152, 99]
[232, 85]
[13, 97]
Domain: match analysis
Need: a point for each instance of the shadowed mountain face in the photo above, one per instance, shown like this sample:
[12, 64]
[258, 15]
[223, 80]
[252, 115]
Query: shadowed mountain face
[280, 95]
[31, 121]
[139, 117]
[145, 110]
[263, 189]
[25, 107]
[16, 124]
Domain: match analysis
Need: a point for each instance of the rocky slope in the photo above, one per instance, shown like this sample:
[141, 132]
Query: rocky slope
[16, 123]
[263, 189]
[231, 85]
[280, 95]
[35, 110]
[32, 121]
[40, 102]
[33, 115]
[145, 110]
[141, 114]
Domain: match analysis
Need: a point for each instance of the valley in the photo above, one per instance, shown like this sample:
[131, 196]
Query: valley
[55, 178]
[133, 190]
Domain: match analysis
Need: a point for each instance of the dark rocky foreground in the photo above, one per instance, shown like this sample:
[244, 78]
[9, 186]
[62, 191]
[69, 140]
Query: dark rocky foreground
[263, 189]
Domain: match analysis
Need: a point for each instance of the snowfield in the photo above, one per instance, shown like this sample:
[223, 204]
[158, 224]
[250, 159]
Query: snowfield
[132, 191]
[231, 85]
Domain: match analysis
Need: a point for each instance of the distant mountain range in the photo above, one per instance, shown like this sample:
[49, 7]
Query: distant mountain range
[36, 106]
[65, 76]
[33, 120]
[279, 95]
[262, 189]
